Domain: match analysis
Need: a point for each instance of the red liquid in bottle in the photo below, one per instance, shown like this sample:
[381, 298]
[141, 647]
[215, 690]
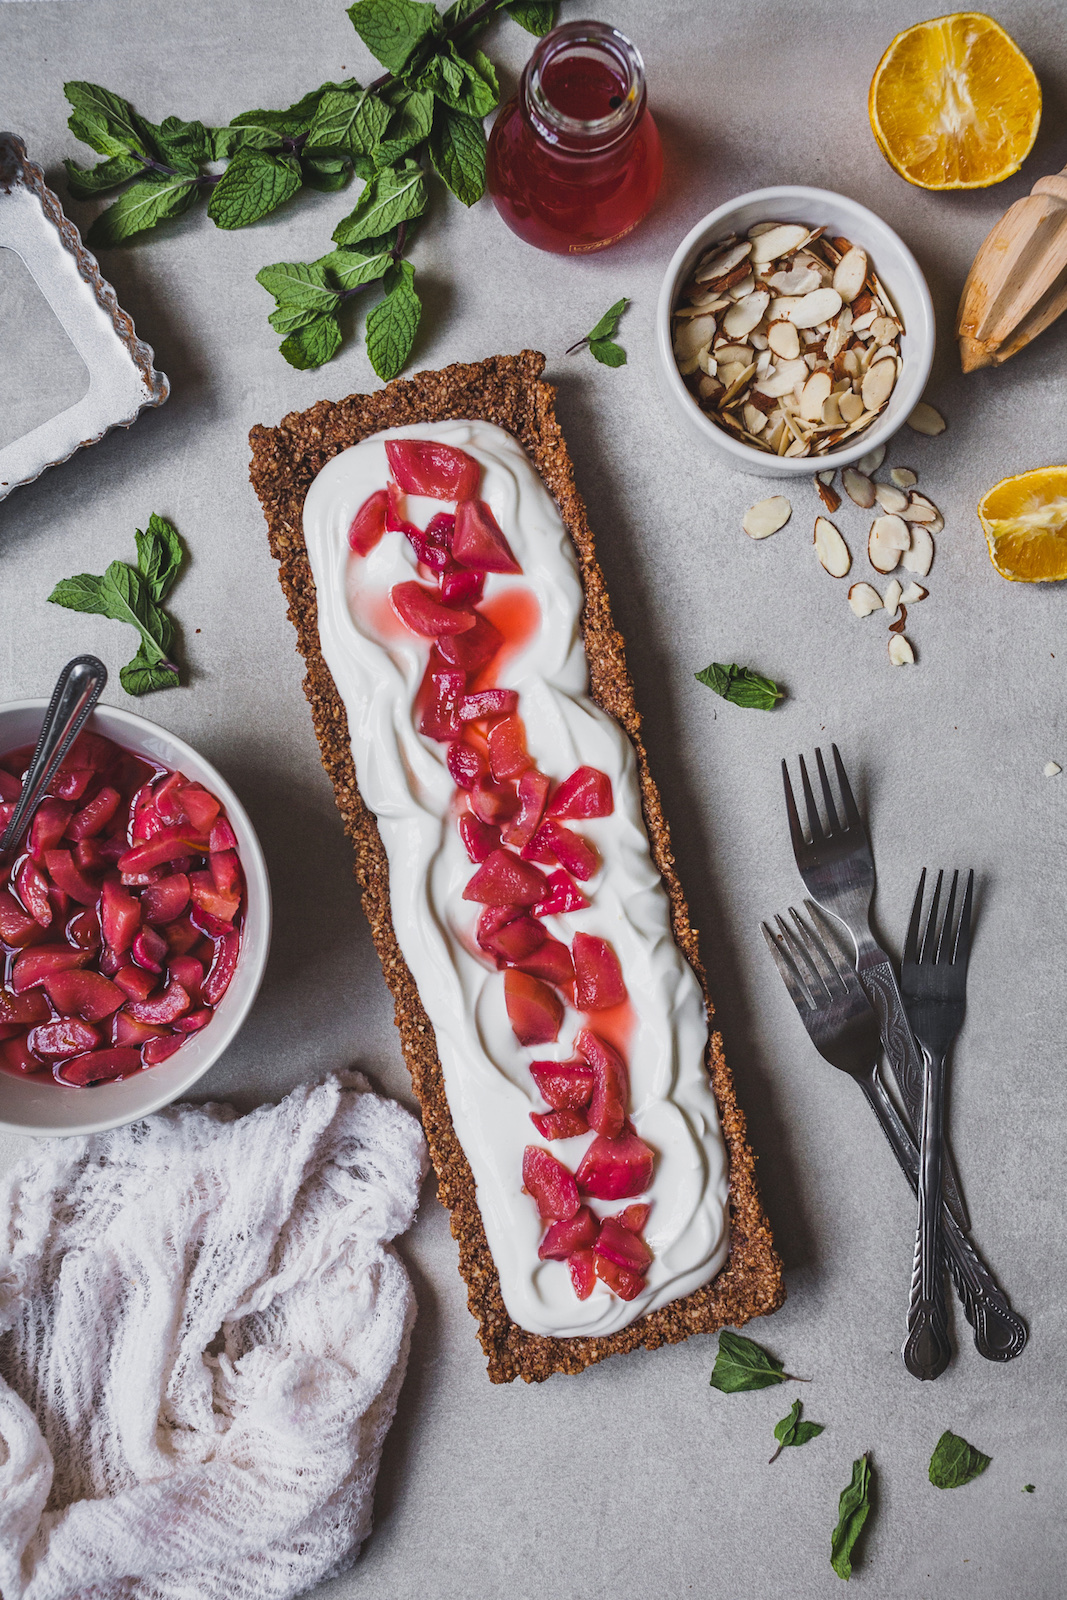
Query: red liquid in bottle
[575, 159]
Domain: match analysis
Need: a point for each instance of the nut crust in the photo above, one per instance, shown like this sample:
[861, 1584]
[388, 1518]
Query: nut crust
[504, 390]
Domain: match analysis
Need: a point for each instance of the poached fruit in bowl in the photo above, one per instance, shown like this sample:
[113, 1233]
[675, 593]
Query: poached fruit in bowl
[120, 918]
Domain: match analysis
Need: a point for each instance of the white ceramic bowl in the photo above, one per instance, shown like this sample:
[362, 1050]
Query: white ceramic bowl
[898, 272]
[39, 1105]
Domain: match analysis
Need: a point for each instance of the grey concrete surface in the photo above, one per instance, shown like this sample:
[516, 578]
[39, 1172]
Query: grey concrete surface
[636, 1478]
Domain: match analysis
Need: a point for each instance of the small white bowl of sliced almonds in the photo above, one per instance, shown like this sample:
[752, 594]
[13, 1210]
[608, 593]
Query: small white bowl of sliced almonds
[794, 331]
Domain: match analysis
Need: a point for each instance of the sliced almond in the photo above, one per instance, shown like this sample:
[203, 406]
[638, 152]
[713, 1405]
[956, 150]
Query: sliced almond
[924, 419]
[708, 387]
[800, 279]
[746, 314]
[831, 412]
[827, 476]
[914, 593]
[901, 622]
[779, 241]
[851, 407]
[707, 363]
[903, 477]
[735, 385]
[878, 383]
[814, 395]
[831, 549]
[1052, 769]
[900, 652]
[799, 447]
[849, 274]
[829, 497]
[783, 339]
[884, 330]
[758, 339]
[920, 509]
[887, 538]
[818, 306]
[864, 598]
[920, 557]
[890, 498]
[935, 526]
[719, 265]
[743, 286]
[766, 516]
[891, 598]
[857, 485]
[754, 419]
[733, 352]
[784, 379]
[837, 337]
[861, 320]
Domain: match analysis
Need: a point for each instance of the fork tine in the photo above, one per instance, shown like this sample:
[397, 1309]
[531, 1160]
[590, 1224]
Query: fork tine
[816, 954]
[962, 949]
[790, 976]
[814, 820]
[944, 938]
[834, 945]
[802, 961]
[926, 949]
[851, 809]
[911, 943]
[827, 794]
[796, 832]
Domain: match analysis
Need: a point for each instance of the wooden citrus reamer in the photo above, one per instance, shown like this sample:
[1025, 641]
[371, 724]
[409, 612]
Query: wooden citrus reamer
[1017, 284]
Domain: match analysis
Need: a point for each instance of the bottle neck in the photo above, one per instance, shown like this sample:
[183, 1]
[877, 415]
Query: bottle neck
[583, 88]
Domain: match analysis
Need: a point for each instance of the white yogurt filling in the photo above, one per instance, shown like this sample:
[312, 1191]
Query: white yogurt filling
[377, 665]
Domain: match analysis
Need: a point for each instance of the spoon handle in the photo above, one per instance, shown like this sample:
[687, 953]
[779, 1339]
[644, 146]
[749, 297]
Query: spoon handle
[77, 690]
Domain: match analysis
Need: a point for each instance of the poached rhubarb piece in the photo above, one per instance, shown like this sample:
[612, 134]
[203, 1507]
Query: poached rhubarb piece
[515, 824]
[121, 921]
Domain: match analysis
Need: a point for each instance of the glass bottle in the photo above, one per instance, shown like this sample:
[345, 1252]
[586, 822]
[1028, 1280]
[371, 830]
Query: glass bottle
[575, 159]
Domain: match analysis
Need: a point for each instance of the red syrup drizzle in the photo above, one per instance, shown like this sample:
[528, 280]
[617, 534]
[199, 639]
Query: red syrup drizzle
[518, 830]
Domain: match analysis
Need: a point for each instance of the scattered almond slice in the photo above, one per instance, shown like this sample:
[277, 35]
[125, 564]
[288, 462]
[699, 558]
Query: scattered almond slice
[879, 382]
[903, 477]
[831, 549]
[924, 419]
[890, 498]
[858, 487]
[783, 339]
[850, 273]
[920, 509]
[1052, 769]
[935, 526]
[914, 593]
[766, 516]
[818, 306]
[901, 623]
[900, 652]
[864, 598]
[920, 557]
[888, 537]
[827, 476]
[829, 496]
[780, 241]
[892, 596]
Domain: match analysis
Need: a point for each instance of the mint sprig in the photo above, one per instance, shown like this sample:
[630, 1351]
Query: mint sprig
[602, 346]
[742, 1364]
[741, 686]
[422, 115]
[135, 595]
[793, 1431]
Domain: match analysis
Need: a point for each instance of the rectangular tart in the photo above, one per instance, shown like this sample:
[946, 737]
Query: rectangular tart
[507, 393]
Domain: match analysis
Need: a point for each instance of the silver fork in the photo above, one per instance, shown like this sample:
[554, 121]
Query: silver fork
[844, 1029]
[837, 866]
[933, 981]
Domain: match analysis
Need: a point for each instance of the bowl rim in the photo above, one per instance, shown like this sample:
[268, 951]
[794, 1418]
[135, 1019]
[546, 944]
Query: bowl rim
[254, 865]
[917, 366]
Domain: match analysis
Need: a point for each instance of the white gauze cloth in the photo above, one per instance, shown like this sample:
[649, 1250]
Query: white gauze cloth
[203, 1332]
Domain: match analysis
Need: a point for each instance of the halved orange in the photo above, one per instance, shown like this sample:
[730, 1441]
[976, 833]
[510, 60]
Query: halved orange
[1025, 523]
[954, 103]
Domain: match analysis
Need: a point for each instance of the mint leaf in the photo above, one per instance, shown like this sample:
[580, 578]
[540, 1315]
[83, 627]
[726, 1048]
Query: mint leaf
[349, 269]
[159, 556]
[324, 173]
[141, 676]
[186, 143]
[300, 284]
[469, 86]
[409, 124]
[741, 686]
[741, 1364]
[955, 1462]
[392, 30]
[317, 341]
[254, 184]
[536, 16]
[391, 197]
[1028, 1488]
[352, 121]
[607, 352]
[104, 121]
[609, 321]
[266, 130]
[792, 1431]
[84, 182]
[393, 324]
[122, 595]
[852, 1512]
[152, 199]
[457, 150]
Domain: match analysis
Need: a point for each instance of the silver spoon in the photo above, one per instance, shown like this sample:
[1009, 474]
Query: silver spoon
[77, 690]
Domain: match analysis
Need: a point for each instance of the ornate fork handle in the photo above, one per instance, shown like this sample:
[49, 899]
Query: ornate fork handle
[905, 1059]
[927, 1351]
[999, 1334]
